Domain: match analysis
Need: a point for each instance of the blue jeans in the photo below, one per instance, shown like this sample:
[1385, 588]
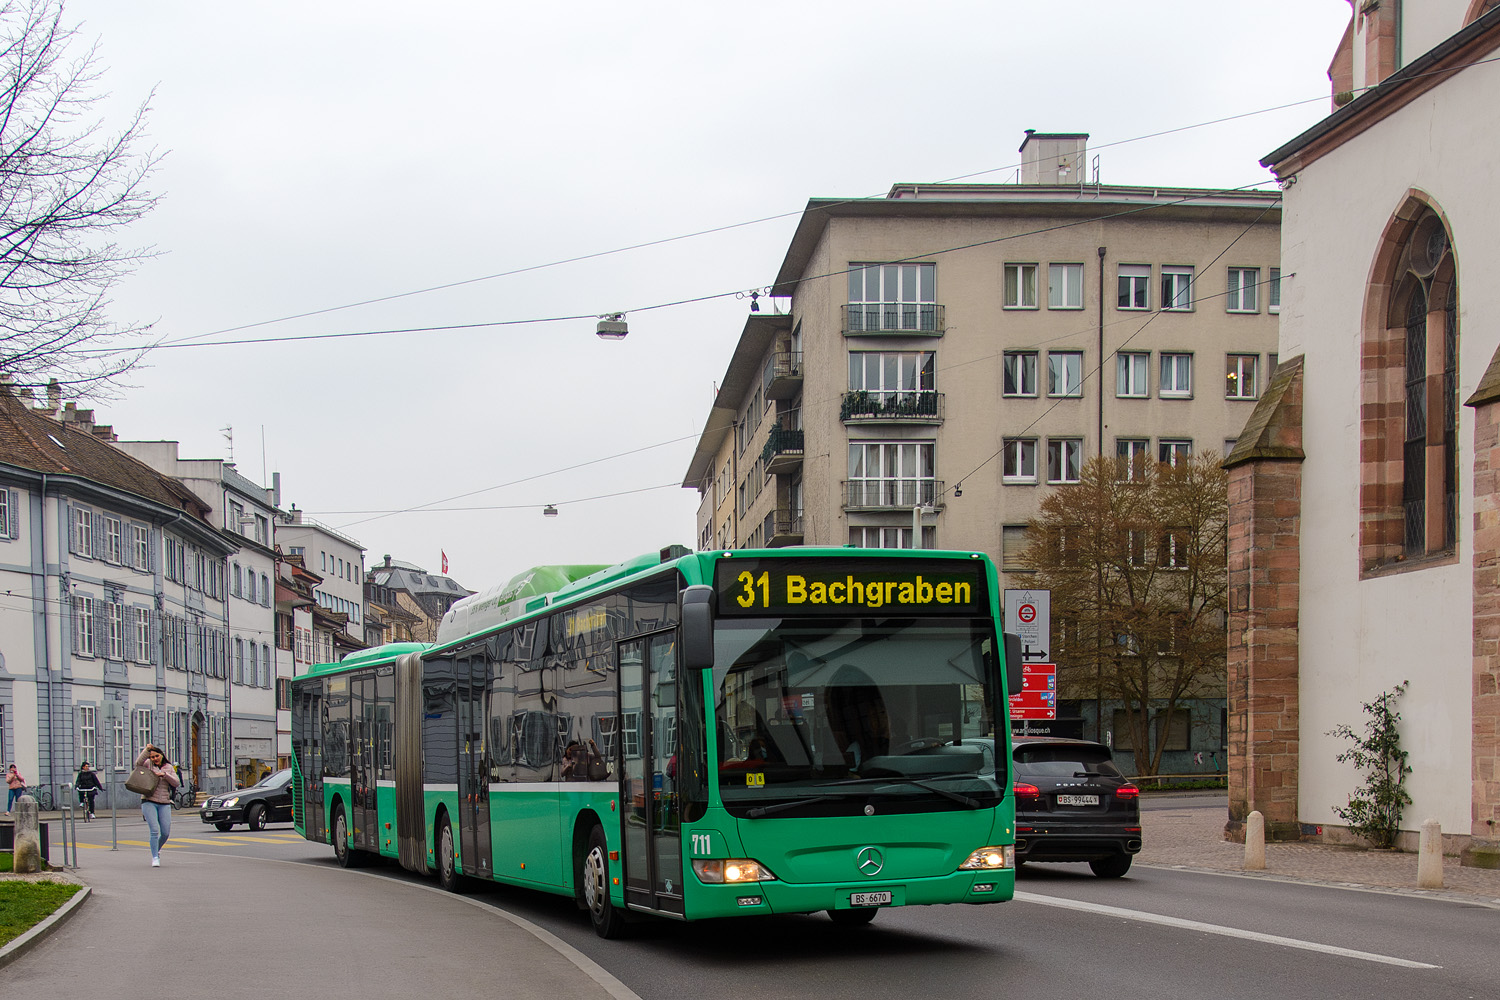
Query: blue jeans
[159, 821]
[10, 800]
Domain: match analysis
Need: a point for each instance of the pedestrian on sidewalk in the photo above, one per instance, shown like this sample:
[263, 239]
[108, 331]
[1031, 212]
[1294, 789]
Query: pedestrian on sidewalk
[88, 786]
[17, 786]
[156, 805]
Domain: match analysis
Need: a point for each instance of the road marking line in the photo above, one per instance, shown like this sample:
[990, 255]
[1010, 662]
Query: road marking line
[1233, 932]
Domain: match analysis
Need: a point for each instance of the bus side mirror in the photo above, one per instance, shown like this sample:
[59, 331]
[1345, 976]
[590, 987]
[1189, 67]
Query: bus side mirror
[1013, 661]
[696, 627]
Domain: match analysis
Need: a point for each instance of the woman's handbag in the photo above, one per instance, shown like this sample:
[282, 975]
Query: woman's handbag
[598, 769]
[142, 780]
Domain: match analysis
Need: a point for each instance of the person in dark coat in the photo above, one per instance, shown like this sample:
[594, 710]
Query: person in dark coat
[88, 786]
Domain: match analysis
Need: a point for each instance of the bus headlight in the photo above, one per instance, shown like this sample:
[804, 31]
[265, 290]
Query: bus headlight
[990, 859]
[718, 871]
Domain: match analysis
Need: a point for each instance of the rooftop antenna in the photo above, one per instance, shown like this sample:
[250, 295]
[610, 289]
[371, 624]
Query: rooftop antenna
[228, 431]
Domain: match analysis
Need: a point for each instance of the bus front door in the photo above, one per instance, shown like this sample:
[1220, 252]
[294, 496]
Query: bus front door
[652, 827]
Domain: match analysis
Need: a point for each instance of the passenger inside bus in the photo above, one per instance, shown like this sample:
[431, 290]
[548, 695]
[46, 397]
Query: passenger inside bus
[857, 716]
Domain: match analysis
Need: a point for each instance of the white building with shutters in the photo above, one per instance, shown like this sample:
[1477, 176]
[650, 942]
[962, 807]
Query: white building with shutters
[246, 513]
[116, 631]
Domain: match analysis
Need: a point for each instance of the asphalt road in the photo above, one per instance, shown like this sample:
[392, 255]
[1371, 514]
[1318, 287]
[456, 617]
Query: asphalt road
[1157, 933]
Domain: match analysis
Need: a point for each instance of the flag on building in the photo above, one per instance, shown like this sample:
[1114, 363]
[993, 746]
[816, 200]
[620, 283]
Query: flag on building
[445, 562]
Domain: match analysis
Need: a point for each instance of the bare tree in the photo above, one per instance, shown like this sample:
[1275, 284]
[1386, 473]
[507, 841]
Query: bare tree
[66, 186]
[1136, 560]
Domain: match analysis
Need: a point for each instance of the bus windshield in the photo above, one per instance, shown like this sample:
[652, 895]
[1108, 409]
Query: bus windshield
[832, 717]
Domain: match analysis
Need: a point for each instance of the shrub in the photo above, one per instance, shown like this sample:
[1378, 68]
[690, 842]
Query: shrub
[1374, 810]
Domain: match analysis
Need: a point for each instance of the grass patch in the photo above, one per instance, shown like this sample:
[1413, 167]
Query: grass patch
[23, 905]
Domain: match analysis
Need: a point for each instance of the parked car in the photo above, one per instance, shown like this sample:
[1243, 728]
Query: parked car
[269, 801]
[1073, 804]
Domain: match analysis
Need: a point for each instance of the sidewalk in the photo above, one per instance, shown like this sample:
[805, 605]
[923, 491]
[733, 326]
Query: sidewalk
[258, 926]
[1192, 836]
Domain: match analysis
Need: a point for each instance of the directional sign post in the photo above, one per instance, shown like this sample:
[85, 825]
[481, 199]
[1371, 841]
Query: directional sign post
[1028, 614]
[1038, 697]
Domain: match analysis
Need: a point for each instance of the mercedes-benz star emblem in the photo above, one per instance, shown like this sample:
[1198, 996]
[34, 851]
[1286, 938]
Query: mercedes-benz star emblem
[870, 861]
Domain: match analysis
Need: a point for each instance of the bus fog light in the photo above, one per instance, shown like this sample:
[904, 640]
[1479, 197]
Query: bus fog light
[990, 859]
[717, 871]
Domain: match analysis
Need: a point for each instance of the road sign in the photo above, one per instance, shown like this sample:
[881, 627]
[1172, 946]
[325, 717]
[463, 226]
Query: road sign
[1028, 614]
[1038, 697]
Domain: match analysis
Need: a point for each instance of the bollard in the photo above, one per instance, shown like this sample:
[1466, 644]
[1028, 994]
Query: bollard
[1430, 856]
[1255, 842]
[28, 846]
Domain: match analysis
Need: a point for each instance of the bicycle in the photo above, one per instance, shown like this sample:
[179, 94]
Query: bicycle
[184, 797]
[43, 798]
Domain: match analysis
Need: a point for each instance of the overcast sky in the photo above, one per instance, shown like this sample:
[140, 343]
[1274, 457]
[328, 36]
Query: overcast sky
[325, 154]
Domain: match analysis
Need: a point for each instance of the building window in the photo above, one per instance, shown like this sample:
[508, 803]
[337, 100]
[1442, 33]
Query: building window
[874, 537]
[1176, 376]
[1173, 553]
[262, 529]
[1135, 286]
[265, 591]
[1020, 461]
[885, 376]
[250, 587]
[141, 726]
[891, 474]
[5, 509]
[142, 635]
[83, 532]
[1273, 291]
[117, 730]
[1014, 542]
[114, 541]
[88, 733]
[1174, 452]
[83, 625]
[1020, 373]
[1176, 289]
[1244, 283]
[1131, 456]
[1135, 549]
[142, 541]
[1064, 286]
[891, 297]
[1239, 374]
[1064, 460]
[1020, 286]
[1131, 380]
[116, 616]
[1065, 373]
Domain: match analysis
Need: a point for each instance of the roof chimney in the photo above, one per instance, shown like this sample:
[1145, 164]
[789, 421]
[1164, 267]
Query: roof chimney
[54, 394]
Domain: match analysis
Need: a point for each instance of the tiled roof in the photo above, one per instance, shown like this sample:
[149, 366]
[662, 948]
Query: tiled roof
[35, 441]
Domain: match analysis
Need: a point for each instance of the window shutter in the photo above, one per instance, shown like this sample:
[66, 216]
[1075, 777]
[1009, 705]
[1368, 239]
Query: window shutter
[77, 624]
[101, 629]
[153, 656]
[129, 629]
[15, 513]
[98, 528]
[72, 516]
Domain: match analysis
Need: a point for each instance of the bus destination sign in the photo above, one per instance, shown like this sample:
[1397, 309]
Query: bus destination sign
[836, 586]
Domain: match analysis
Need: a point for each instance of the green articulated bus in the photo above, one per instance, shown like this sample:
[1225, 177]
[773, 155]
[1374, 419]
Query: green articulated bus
[687, 735]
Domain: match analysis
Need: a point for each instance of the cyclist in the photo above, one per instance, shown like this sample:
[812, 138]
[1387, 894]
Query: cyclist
[88, 786]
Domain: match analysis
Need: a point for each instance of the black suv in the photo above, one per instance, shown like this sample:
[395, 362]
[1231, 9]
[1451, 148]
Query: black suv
[1073, 804]
[270, 801]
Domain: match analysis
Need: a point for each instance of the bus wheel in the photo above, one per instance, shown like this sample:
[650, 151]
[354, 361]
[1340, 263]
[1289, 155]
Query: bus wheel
[593, 875]
[447, 861]
[347, 857]
[856, 916]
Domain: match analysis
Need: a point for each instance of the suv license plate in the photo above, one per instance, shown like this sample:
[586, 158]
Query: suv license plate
[1078, 800]
[869, 899]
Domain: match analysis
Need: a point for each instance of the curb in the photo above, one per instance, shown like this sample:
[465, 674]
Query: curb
[21, 945]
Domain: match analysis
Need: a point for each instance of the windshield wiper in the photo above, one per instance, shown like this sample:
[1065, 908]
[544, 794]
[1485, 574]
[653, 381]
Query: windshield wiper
[760, 811]
[920, 783]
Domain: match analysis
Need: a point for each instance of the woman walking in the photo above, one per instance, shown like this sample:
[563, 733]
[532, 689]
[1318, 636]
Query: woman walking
[17, 786]
[156, 805]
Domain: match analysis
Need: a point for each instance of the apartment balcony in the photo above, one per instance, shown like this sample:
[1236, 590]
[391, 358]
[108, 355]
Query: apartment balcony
[891, 494]
[915, 407]
[783, 450]
[786, 528]
[785, 379]
[902, 319]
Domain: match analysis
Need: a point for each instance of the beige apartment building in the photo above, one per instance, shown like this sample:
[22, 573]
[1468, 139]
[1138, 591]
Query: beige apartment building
[948, 354]
[963, 348]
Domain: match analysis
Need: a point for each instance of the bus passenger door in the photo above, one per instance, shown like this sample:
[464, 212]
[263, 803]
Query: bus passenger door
[310, 762]
[648, 738]
[473, 770]
[366, 818]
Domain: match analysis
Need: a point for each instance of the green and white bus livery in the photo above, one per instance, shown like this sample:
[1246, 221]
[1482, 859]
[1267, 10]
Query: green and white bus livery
[687, 735]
